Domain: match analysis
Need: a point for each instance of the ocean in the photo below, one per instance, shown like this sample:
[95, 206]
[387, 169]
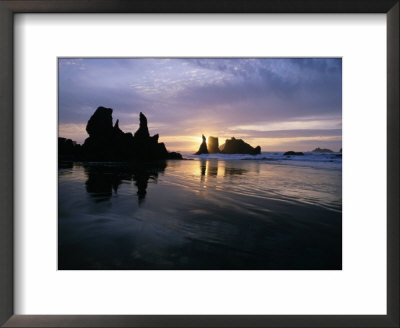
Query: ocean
[209, 212]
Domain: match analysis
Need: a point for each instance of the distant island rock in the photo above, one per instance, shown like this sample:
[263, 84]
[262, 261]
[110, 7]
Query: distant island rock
[322, 150]
[231, 146]
[203, 147]
[238, 146]
[109, 143]
[295, 153]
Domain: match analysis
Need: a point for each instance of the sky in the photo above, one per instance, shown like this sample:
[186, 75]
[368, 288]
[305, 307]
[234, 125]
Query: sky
[280, 104]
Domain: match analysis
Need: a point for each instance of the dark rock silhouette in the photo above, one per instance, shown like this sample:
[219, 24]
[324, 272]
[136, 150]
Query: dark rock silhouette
[213, 146]
[340, 150]
[322, 150]
[105, 142]
[231, 146]
[203, 147]
[174, 155]
[100, 123]
[143, 132]
[291, 152]
[68, 150]
[109, 143]
[238, 146]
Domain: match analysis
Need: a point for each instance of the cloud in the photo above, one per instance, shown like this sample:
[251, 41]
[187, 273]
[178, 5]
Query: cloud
[218, 96]
[288, 133]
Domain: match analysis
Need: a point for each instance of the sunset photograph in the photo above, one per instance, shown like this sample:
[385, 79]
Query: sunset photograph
[199, 163]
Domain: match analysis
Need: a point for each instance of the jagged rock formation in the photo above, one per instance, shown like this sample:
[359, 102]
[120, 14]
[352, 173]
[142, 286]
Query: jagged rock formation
[322, 150]
[101, 145]
[203, 147]
[145, 146]
[109, 143]
[238, 146]
[231, 146]
[291, 152]
[212, 145]
[100, 123]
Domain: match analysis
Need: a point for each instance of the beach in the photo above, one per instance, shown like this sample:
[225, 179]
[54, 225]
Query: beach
[209, 212]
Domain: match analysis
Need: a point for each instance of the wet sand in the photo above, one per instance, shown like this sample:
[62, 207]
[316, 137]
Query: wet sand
[200, 215]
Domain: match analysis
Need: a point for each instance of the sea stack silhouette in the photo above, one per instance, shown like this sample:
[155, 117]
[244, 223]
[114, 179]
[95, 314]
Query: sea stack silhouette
[109, 143]
[213, 146]
[231, 146]
[203, 147]
[238, 146]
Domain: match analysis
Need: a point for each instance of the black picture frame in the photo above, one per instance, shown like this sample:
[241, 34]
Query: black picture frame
[10, 7]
